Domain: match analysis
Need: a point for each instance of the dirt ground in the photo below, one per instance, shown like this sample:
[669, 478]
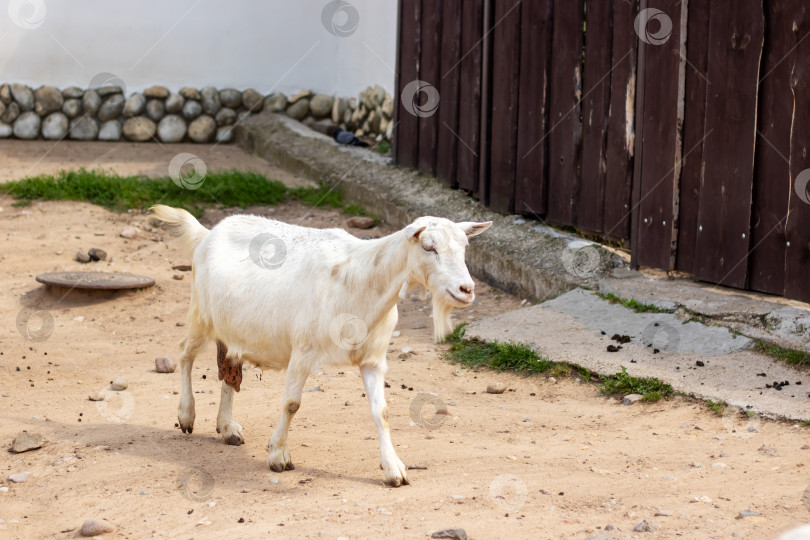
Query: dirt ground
[546, 459]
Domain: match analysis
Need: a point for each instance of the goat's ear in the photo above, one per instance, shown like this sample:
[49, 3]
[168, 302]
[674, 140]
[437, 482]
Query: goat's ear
[472, 228]
[413, 231]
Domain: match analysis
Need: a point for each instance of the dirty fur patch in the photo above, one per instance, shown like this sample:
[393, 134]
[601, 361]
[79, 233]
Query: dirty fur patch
[228, 370]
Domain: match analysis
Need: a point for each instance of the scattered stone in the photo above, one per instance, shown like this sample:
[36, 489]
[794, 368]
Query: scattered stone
[25, 441]
[202, 129]
[11, 113]
[155, 110]
[457, 534]
[700, 363]
[96, 396]
[27, 125]
[81, 257]
[97, 254]
[191, 110]
[224, 134]
[190, 93]
[231, 98]
[23, 96]
[110, 131]
[225, 117]
[496, 388]
[360, 222]
[156, 92]
[129, 232]
[72, 92]
[91, 102]
[139, 129]
[629, 399]
[748, 513]
[83, 128]
[645, 526]
[19, 478]
[276, 102]
[164, 364]
[135, 105]
[95, 527]
[172, 129]
[664, 513]
[418, 326]
[299, 109]
[178, 277]
[72, 108]
[174, 103]
[209, 98]
[47, 99]
[696, 465]
[112, 108]
[252, 101]
[347, 403]
[768, 450]
[55, 126]
[118, 384]
[321, 105]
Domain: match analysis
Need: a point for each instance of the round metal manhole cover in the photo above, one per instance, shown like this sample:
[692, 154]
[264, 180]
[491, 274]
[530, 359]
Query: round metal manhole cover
[100, 281]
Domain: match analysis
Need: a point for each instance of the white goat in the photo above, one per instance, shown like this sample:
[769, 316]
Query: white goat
[319, 298]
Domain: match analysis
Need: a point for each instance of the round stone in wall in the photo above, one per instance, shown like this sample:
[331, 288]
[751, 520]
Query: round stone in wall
[5, 93]
[172, 129]
[11, 113]
[47, 99]
[72, 92]
[321, 105]
[105, 91]
[26, 126]
[191, 109]
[224, 134]
[155, 109]
[210, 100]
[230, 97]
[190, 93]
[156, 92]
[72, 108]
[55, 126]
[202, 129]
[91, 102]
[298, 110]
[2, 108]
[110, 131]
[252, 100]
[112, 108]
[225, 116]
[23, 95]
[139, 129]
[174, 103]
[5, 131]
[135, 105]
[84, 128]
[276, 102]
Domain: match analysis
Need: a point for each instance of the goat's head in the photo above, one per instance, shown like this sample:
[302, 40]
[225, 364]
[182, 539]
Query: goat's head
[436, 262]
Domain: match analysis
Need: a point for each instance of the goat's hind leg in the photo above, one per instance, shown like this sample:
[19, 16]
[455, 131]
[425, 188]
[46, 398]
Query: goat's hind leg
[278, 458]
[191, 345]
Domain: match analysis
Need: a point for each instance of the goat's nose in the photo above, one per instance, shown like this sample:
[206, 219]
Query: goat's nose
[467, 289]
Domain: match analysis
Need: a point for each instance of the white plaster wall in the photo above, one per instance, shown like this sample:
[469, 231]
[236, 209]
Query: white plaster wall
[269, 45]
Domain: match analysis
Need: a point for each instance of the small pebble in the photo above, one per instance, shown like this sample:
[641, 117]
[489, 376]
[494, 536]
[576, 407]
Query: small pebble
[96, 396]
[178, 277]
[95, 527]
[360, 222]
[645, 526]
[97, 254]
[164, 364]
[81, 257]
[418, 326]
[496, 388]
[25, 441]
[19, 478]
[396, 333]
[119, 383]
[129, 232]
[453, 534]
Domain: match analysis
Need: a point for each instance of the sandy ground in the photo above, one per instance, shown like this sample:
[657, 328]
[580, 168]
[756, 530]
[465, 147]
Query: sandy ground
[546, 459]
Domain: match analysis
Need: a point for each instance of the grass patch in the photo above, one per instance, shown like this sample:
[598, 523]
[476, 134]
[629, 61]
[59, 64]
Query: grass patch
[717, 407]
[384, 147]
[120, 193]
[651, 389]
[791, 356]
[495, 355]
[638, 307]
[806, 423]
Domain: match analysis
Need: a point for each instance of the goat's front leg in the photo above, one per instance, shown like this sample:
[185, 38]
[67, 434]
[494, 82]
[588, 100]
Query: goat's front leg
[373, 379]
[230, 431]
[279, 457]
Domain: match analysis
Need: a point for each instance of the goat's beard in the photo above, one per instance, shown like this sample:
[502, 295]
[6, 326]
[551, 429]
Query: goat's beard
[442, 322]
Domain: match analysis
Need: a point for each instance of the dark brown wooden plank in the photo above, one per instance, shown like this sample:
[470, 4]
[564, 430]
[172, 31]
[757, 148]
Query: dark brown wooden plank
[486, 99]
[469, 110]
[504, 119]
[772, 180]
[531, 176]
[736, 33]
[697, 54]
[621, 129]
[446, 161]
[655, 206]
[407, 140]
[565, 130]
[430, 72]
[797, 230]
[595, 114]
[397, 73]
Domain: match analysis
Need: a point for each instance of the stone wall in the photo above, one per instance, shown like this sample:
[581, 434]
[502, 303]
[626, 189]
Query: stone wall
[191, 115]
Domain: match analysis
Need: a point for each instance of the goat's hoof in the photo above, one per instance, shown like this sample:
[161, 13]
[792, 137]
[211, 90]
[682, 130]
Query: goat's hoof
[231, 433]
[277, 467]
[218, 430]
[289, 466]
[234, 440]
[187, 429]
[279, 460]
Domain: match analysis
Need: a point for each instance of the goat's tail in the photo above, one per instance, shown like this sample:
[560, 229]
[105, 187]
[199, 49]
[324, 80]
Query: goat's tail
[186, 225]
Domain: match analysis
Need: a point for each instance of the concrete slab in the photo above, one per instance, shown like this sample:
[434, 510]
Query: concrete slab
[568, 329]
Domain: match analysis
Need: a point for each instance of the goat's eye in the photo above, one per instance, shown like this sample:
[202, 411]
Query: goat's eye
[429, 249]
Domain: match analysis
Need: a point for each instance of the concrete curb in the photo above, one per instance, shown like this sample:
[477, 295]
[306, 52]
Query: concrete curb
[532, 262]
